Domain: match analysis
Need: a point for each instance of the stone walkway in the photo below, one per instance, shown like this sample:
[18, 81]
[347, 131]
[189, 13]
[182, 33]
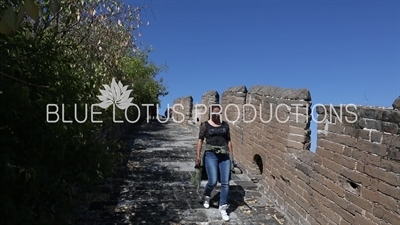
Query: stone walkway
[153, 187]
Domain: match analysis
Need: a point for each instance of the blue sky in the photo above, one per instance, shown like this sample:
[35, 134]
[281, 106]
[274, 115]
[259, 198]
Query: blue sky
[342, 51]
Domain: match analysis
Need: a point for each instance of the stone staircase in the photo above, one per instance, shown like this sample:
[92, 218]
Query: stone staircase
[152, 186]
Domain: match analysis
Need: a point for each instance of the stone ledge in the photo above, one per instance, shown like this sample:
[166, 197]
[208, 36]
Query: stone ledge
[211, 93]
[283, 93]
[363, 112]
[396, 103]
[236, 89]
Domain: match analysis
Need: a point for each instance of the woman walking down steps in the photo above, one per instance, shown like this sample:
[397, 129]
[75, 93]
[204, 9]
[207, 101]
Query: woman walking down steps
[216, 157]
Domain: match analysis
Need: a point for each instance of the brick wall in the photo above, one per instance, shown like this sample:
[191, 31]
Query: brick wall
[358, 166]
[209, 98]
[198, 112]
[275, 143]
[354, 176]
[182, 109]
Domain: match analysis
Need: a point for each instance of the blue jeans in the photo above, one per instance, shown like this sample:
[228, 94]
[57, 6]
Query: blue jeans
[217, 164]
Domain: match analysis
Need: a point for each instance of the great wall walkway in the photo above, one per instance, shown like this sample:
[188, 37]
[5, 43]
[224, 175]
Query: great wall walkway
[153, 186]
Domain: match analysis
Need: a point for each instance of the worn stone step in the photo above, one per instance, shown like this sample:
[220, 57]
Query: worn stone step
[247, 185]
[152, 186]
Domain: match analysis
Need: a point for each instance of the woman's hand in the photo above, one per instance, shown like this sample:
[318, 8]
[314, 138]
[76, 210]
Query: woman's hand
[198, 150]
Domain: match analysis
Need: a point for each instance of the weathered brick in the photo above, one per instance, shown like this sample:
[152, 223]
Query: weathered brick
[311, 219]
[318, 160]
[376, 136]
[381, 174]
[277, 161]
[279, 184]
[345, 161]
[390, 166]
[357, 177]
[353, 208]
[391, 140]
[393, 153]
[334, 187]
[347, 151]
[303, 213]
[366, 157]
[305, 177]
[299, 118]
[296, 188]
[360, 166]
[377, 197]
[343, 213]
[282, 116]
[350, 131]
[378, 211]
[274, 125]
[319, 178]
[359, 201]
[278, 132]
[332, 165]
[320, 188]
[344, 222]
[305, 205]
[390, 127]
[393, 191]
[374, 148]
[318, 216]
[298, 138]
[336, 128]
[290, 174]
[322, 119]
[332, 146]
[391, 218]
[293, 212]
[325, 205]
[295, 145]
[362, 134]
[321, 125]
[290, 192]
[280, 200]
[370, 123]
[303, 220]
[279, 139]
[299, 125]
[361, 220]
[307, 190]
[300, 109]
[340, 202]
[371, 217]
[298, 131]
[324, 153]
[307, 195]
[288, 200]
[334, 217]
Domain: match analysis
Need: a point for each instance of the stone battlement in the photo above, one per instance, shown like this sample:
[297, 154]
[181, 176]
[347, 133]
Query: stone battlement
[354, 176]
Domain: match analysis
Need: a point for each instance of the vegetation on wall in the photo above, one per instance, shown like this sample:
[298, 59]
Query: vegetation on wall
[62, 52]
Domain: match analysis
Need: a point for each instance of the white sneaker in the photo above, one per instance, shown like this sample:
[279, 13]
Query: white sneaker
[224, 214]
[206, 203]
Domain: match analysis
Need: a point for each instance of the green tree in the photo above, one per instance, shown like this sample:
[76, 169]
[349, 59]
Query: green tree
[142, 75]
[62, 52]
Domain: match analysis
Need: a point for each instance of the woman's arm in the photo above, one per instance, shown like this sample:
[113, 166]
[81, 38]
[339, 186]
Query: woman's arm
[230, 148]
[199, 146]
[202, 135]
[228, 138]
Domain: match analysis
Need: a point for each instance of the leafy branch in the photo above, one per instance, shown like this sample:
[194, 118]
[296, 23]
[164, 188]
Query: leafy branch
[21, 81]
